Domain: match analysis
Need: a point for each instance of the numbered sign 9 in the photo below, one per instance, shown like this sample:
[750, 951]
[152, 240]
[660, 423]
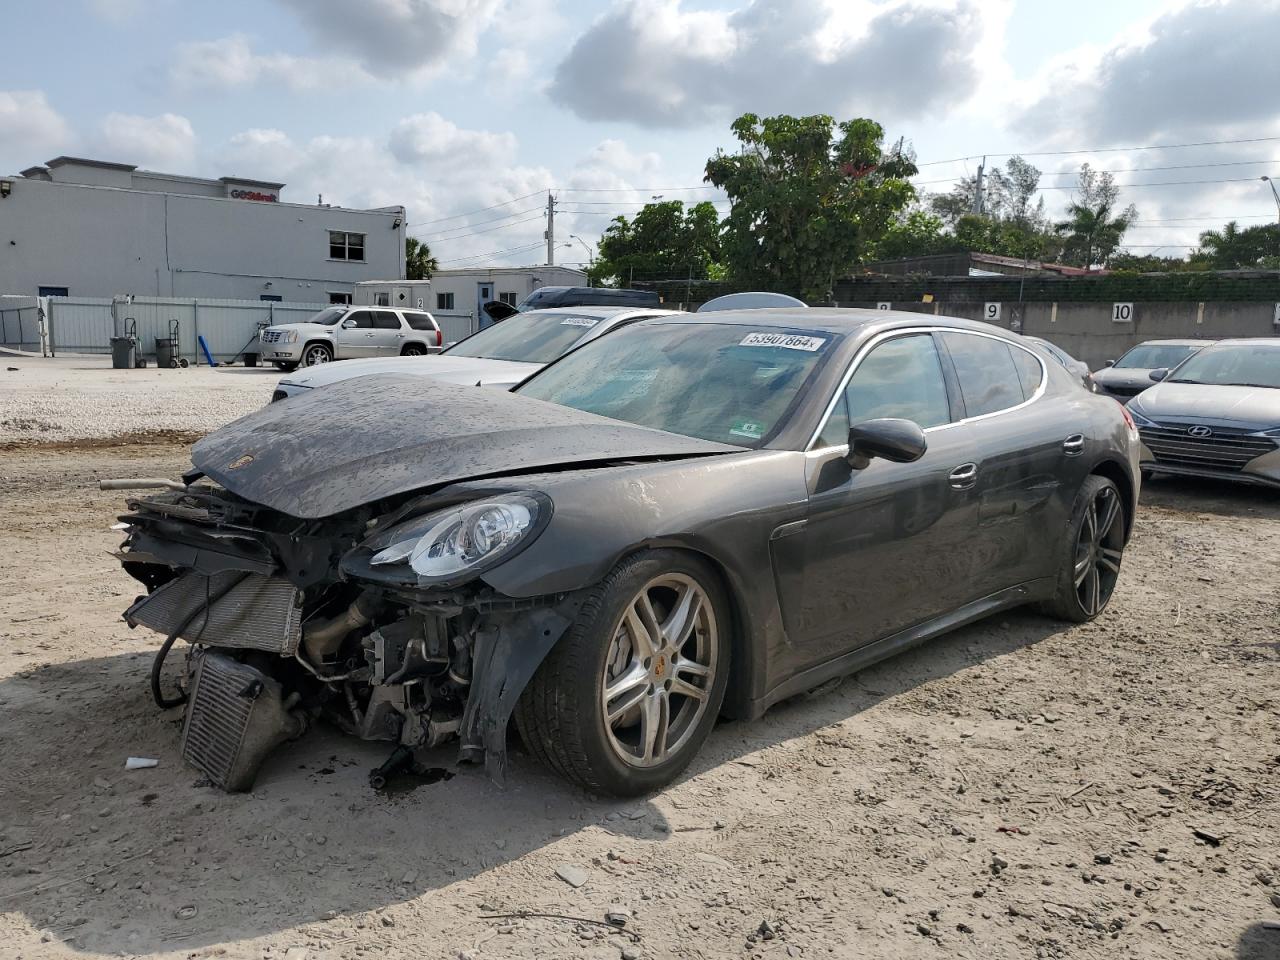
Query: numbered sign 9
[1122, 313]
[884, 305]
[991, 312]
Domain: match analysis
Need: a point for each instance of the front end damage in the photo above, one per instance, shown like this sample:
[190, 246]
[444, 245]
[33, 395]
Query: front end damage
[287, 622]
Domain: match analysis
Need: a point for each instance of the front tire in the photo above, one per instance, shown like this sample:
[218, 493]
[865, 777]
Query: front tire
[285, 366]
[316, 354]
[1092, 553]
[629, 694]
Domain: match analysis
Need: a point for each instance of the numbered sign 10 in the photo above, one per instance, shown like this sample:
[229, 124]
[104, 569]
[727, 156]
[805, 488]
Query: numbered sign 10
[991, 312]
[1122, 313]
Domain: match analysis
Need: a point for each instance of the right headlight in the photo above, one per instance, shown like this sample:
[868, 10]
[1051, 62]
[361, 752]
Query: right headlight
[465, 539]
[1138, 418]
[291, 336]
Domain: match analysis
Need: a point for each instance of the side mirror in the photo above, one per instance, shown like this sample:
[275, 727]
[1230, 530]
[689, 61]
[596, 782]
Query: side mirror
[899, 441]
[1160, 374]
[1108, 363]
[348, 323]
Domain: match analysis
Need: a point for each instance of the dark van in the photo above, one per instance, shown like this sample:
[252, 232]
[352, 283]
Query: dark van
[546, 297]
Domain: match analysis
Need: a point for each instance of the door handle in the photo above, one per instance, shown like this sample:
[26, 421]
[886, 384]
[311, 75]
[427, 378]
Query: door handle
[369, 335]
[1073, 446]
[964, 476]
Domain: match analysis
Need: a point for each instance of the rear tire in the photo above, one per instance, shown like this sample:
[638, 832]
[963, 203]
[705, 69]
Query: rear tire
[1091, 553]
[625, 699]
[414, 350]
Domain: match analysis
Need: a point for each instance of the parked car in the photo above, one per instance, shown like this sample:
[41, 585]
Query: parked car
[1077, 367]
[1130, 375]
[345, 332]
[545, 297]
[498, 356]
[695, 515]
[1216, 414]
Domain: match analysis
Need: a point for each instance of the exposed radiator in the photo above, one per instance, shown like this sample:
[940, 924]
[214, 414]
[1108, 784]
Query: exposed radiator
[235, 718]
[260, 613]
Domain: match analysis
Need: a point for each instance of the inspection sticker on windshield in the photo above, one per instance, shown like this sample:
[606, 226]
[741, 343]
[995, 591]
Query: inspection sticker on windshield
[751, 429]
[788, 341]
[579, 322]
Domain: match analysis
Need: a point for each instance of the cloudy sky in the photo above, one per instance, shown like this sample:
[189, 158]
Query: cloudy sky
[466, 111]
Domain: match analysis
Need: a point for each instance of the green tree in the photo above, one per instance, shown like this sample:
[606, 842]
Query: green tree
[1234, 249]
[419, 264]
[1093, 228]
[663, 241]
[810, 199]
[1012, 222]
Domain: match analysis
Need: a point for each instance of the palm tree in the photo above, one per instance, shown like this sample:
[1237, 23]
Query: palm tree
[1221, 245]
[1090, 234]
[419, 264]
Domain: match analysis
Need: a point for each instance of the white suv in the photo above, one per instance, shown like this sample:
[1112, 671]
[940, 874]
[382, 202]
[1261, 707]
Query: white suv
[346, 332]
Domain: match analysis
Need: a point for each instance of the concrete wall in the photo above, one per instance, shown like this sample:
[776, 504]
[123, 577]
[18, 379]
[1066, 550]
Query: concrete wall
[1088, 332]
[103, 242]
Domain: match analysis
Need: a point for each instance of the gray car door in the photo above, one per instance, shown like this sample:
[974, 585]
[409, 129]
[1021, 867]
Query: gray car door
[388, 333]
[355, 336]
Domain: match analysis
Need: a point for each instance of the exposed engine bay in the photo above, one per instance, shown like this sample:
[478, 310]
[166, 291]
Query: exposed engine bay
[289, 621]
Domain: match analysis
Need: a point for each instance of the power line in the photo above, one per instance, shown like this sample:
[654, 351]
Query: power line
[456, 216]
[1068, 153]
[501, 226]
[495, 253]
[480, 223]
[1073, 173]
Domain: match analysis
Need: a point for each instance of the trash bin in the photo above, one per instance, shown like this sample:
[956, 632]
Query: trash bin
[124, 353]
[166, 351]
[250, 359]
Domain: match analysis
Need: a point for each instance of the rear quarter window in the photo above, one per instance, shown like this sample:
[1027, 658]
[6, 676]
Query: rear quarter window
[990, 380]
[420, 321]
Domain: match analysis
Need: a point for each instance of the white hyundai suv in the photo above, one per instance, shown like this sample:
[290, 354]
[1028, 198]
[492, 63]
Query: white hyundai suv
[347, 332]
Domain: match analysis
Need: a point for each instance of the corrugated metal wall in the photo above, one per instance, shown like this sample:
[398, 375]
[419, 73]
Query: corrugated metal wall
[86, 325]
[20, 323]
[454, 326]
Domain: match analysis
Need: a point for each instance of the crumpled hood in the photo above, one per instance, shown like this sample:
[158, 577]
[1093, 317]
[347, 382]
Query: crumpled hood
[361, 440]
[1257, 407]
[468, 370]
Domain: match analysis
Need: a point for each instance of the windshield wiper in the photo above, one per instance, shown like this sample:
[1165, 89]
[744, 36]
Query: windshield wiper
[1180, 380]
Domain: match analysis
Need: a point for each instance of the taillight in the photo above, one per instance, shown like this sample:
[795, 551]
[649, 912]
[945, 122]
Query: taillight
[439, 338]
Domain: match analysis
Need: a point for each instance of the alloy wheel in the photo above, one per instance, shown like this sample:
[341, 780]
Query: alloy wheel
[315, 355]
[660, 670]
[1098, 549]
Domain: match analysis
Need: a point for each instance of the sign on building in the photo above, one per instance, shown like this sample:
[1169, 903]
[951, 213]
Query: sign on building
[1122, 313]
[884, 305]
[991, 312]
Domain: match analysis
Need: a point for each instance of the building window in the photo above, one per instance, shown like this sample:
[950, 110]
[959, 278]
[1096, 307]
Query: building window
[509, 297]
[271, 297]
[339, 298]
[382, 299]
[53, 292]
[346, 246]
[444, 301]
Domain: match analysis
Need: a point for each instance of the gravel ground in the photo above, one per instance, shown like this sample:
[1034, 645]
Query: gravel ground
[1019, 789]
[82, 398]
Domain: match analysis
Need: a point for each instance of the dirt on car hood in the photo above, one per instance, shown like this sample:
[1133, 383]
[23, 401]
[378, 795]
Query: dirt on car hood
[1257, 407]
[365, 439]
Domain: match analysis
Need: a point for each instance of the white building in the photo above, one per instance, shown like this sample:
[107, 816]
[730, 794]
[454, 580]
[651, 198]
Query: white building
[463, 292]
[89, 228]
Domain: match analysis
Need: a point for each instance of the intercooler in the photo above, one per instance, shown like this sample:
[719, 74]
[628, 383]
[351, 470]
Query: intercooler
[235, 718]
[259, 613]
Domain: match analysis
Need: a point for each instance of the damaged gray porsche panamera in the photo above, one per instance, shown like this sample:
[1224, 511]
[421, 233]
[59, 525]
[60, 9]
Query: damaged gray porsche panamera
[697, 516]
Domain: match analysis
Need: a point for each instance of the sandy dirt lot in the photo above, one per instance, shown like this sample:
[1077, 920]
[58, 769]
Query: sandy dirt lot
[1016, 790]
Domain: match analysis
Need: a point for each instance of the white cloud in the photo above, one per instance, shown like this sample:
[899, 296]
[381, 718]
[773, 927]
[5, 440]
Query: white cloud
[1201, 71]
[393, 38]
[31, 130]
[428, 139]
[165, 142]
[231, 62]
[655, 63]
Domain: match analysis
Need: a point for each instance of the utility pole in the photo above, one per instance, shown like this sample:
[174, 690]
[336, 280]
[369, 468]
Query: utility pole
[551, 230]
[1275, 193]
[977, 192]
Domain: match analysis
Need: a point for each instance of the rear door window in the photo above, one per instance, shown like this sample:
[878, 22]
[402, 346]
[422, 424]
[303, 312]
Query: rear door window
[989, 377]
[385, 320]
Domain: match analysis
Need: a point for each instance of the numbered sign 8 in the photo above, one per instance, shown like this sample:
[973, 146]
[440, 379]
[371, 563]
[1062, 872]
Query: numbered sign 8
[884, 305]
[1122, 313]
[991, 312]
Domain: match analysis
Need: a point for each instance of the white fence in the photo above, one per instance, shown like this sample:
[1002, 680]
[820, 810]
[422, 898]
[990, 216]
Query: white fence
[20, 327]
[229, 327]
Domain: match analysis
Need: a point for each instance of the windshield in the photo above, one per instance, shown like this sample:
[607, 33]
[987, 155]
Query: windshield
[1153, 356]
[328, 317]
[527, 337]
[538, 296]
[1244, 365]
[725, 382]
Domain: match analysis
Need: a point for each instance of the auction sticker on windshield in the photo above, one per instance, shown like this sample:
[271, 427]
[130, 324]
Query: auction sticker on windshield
[752, 429]
[788, 341]
[579, 322]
